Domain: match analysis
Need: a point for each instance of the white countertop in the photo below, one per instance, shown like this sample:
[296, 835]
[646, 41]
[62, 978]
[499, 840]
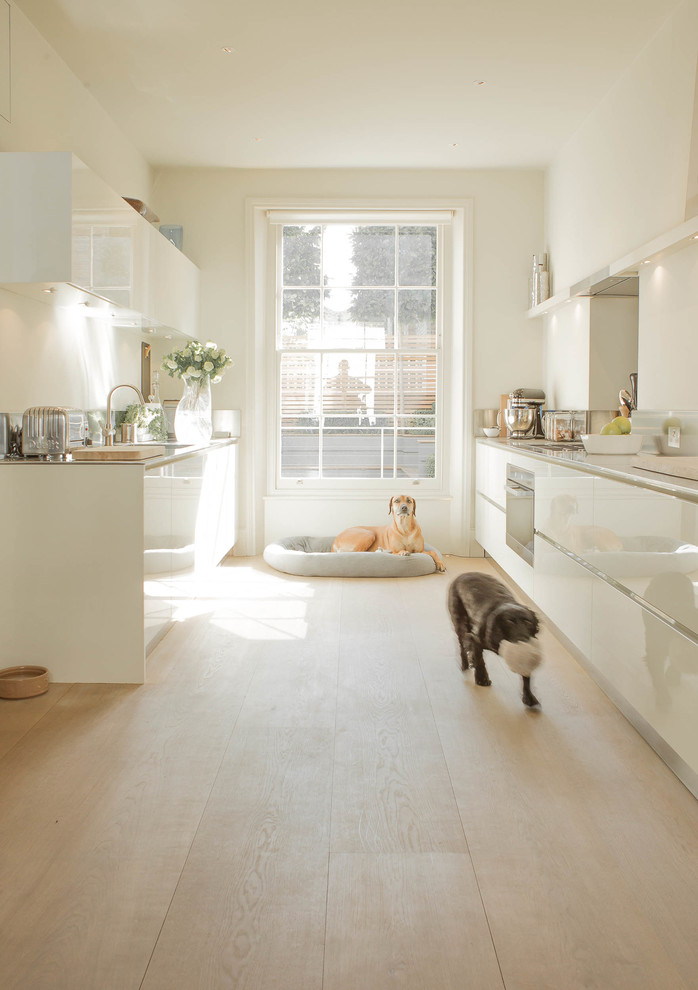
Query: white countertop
[621, 467]
[173, 452]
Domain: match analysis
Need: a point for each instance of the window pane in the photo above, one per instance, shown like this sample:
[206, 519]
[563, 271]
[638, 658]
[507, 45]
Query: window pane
[416, 391]
[373, 255]
[417, 254]
[300, 325]
[358, 362]
[352, 453]
[416, 454]
[337, 248]
[300, 453]
[301, 255]
[417, 318]
[347, 387]
[300, 385]
[362, 318]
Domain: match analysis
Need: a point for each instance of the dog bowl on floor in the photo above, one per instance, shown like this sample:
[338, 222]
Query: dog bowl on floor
[23, 682]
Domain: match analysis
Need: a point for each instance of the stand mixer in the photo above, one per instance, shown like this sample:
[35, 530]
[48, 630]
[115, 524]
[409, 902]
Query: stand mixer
[523, 413]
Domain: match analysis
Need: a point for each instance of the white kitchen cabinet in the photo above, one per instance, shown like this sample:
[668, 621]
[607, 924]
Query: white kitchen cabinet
[61, 226]
[562, 589]
[650, 667]
[190, 525]
[616, 571]
[564, 506]
[491, 473]
[98, 555]
[490, 533]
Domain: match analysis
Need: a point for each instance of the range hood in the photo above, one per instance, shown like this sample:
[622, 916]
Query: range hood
[602, 283]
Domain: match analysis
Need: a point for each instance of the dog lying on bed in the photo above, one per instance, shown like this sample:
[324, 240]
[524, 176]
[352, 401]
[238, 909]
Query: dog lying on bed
[401, 536]
[486, 617]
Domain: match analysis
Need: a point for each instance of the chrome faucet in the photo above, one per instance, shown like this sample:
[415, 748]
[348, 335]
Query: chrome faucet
[107, 430]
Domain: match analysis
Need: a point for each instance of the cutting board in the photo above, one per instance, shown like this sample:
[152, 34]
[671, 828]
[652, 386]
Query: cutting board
[122, 452]
[678, 467]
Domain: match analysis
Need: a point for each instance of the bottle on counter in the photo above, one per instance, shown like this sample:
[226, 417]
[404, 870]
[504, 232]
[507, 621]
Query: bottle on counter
[155, 414]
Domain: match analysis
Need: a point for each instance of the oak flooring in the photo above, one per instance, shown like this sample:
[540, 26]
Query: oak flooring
[308, 794]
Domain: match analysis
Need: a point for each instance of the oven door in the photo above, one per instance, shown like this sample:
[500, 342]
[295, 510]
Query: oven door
[520, 502]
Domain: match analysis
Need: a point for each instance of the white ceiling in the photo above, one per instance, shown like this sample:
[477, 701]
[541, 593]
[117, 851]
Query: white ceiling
[371, 83]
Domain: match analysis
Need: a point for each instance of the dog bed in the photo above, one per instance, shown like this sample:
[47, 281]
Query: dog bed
[312, 556]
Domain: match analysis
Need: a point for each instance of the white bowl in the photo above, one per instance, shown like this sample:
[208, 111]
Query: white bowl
[619, 443]
[490, 431]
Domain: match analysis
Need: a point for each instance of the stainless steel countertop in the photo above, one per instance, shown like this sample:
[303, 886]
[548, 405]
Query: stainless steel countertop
[620, 467]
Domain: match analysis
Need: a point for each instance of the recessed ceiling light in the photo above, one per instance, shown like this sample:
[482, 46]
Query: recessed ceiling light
[228, 51]
[48, 290]
[479, 82]
[695, 237]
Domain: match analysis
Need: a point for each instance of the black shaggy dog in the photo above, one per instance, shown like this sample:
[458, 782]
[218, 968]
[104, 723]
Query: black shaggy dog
[486, 617]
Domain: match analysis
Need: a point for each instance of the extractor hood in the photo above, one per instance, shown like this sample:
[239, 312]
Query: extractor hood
[604, 284]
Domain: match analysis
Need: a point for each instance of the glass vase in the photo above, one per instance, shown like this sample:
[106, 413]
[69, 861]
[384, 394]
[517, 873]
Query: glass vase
[193, 422]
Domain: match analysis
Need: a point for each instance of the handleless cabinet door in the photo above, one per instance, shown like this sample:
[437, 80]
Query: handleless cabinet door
[649, 664]
[563, 590]
[652, 546]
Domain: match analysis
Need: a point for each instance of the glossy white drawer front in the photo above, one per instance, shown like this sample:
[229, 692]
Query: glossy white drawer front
[650, 664]
[565, 508]
[563, 590]
[657, 558]
[490, 532]
[490, 472]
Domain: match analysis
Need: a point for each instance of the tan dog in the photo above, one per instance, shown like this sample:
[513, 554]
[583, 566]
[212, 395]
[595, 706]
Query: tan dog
[401, 536]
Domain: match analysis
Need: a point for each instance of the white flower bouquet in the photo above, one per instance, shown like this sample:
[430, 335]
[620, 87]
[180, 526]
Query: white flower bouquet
[197, 362]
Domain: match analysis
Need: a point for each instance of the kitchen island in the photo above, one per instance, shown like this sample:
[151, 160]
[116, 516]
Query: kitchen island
[615, 569]
[97, 555]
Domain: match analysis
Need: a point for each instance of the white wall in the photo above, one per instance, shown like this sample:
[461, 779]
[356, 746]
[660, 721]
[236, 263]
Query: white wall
[622, 178]
[52, 111]
[507, 230]
[668, 350]
[567, 355]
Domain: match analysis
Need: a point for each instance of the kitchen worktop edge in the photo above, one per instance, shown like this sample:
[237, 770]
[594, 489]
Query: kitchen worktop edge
[148, 463]
[620, 467]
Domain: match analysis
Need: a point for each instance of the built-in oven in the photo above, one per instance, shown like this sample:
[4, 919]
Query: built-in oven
[520, 501]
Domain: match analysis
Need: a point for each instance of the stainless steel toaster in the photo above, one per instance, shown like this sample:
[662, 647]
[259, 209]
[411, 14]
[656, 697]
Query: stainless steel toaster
[50, 431]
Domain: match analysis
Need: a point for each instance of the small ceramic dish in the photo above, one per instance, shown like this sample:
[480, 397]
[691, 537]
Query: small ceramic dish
[23, 682]
[490, 431]
[621, 443]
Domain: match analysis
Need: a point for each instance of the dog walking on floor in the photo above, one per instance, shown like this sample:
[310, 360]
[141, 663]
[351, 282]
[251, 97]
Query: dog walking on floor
[401, 536]
[486, 616]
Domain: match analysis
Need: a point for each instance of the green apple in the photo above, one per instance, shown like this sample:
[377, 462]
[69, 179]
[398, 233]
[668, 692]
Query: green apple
[623, 423]
[610, 430]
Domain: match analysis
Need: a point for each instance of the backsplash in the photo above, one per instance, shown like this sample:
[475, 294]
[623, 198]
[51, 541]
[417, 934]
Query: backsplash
[56, 355]
[655, 424]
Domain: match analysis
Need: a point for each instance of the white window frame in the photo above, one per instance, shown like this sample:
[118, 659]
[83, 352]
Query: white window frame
[258, 463]
[441, 221]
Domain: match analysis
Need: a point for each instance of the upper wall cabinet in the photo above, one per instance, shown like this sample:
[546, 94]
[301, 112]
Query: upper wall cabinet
[61, 225]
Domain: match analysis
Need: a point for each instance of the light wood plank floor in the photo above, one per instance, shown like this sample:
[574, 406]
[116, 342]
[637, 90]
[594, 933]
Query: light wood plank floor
[308, 794]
